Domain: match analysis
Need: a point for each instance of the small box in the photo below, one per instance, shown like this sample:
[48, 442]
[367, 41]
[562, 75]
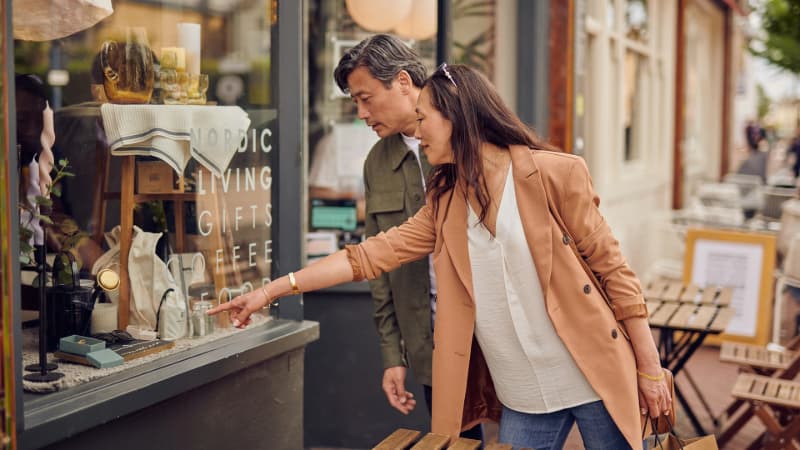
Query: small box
[105, 358]
[80, 345]
[155, 177]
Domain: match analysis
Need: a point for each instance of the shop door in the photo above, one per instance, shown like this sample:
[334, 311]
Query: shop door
[700, 143]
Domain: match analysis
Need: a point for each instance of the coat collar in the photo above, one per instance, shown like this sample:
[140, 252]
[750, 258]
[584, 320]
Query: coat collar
[533, 209]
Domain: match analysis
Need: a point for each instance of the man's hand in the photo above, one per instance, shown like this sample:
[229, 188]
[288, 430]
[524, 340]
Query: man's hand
[394, 386]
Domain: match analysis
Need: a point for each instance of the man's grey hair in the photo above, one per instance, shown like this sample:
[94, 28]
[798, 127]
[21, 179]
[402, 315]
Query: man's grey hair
[384, 56]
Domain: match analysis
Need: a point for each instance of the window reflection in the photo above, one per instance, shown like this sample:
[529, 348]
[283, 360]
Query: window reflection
[636, 18]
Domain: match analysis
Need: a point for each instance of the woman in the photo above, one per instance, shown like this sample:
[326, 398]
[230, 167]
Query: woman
[548, 350]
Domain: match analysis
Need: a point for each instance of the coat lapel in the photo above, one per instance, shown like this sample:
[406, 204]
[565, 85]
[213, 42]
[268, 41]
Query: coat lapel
[534, 212]
[453, 216]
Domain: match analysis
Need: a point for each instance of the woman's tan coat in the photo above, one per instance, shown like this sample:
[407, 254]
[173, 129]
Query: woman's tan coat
[463, 392]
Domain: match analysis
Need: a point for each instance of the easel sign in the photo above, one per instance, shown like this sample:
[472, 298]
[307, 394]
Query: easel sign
[743, 261]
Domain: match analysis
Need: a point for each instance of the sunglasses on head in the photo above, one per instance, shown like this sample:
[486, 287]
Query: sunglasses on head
[443, 69]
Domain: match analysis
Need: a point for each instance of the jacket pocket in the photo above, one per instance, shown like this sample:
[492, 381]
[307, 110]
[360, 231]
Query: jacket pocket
[387, 208]
[384, 202]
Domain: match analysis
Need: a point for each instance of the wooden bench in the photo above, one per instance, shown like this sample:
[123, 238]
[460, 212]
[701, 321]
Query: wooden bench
[776, 402]
[405, 439]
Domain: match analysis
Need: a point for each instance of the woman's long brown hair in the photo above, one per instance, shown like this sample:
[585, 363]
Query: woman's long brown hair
[478, 114]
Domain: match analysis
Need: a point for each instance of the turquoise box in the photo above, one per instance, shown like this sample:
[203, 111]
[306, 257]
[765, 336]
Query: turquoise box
[80, 345]
[104, 358]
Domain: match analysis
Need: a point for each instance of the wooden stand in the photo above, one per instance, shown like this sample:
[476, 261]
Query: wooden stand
[128, 200]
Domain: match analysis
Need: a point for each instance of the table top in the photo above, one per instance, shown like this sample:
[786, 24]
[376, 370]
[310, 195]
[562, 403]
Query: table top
[675, 306]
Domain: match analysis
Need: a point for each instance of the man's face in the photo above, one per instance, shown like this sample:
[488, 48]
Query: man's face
[386, 111]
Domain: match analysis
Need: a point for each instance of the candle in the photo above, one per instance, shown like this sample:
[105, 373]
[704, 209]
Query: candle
[173, 58]
[189, 39]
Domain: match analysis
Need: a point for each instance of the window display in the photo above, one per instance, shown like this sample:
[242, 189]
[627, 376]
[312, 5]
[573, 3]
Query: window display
[165, 128]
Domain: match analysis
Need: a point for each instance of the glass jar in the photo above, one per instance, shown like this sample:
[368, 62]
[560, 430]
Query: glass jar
[202, 323]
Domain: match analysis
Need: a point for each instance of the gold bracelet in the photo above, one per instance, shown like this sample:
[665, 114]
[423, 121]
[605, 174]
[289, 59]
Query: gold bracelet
[650, 377]
[293, 282]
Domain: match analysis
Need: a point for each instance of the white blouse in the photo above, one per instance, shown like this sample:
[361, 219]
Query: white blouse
[531, 368]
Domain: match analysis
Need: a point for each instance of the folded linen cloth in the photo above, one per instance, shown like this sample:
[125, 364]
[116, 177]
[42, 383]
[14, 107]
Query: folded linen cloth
[176, 133]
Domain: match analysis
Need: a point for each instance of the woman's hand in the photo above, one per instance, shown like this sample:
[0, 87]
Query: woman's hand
[654, 395]
[242, 306]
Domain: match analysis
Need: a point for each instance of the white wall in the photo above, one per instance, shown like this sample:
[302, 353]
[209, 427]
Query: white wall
[635, 195]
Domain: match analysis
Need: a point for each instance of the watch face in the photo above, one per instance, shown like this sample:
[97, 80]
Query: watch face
[229, 89]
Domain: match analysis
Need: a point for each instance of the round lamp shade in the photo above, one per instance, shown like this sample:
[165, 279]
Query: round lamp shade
[45, 20]
[378, 15]
[420, 23]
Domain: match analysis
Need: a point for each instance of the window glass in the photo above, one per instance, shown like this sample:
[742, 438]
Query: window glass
[636, 17]
[187, 88]
[338, 140]
[633, 104]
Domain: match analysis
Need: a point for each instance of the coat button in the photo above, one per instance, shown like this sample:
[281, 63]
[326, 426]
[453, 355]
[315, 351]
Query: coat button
[614, 333]
[586, 289]
[565, 239]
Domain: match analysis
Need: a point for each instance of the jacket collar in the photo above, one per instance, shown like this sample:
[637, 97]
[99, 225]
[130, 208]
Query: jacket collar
[398, 150]
[533, 210]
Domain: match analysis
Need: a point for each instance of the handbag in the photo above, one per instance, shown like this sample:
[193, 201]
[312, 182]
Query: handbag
[598, 287]
[670, 440]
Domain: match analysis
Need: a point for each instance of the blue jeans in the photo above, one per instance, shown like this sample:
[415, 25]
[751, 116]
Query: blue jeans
[549, 431]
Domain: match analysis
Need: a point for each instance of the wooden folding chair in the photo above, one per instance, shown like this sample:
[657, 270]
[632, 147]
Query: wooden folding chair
[777, 403]
[754, 361]
[403, 439]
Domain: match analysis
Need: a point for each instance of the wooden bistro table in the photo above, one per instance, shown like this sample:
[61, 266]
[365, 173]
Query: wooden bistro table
[684, 316]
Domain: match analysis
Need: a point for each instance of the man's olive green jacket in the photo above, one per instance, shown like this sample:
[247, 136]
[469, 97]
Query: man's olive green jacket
[394, 192]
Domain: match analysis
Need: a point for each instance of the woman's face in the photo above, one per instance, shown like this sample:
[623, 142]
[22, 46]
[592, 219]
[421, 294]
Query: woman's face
[433, 131]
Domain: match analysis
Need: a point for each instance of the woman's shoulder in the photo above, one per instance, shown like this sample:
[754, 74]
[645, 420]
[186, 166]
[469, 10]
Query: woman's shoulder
[554, 160]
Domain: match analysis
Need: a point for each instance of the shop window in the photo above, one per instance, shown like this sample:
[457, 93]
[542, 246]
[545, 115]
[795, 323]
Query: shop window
[165, 112]
[634, 101]
[636, 18]
[337, 140]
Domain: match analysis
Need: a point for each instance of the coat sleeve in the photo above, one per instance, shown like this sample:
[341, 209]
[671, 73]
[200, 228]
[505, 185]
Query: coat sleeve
[388, 250]
[580, 211]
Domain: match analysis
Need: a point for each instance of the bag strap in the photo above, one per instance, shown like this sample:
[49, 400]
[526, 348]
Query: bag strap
[571, 242]
[160, 304]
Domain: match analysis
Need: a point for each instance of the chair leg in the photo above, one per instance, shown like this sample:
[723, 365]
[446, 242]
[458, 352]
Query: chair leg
[732, 428]
[781, 438]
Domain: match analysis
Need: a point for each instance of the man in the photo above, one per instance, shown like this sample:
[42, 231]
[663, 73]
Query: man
[384, 78]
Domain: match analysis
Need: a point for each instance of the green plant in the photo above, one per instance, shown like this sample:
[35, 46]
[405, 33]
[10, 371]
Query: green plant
[478, 50]
[41, 210]
[781, 42]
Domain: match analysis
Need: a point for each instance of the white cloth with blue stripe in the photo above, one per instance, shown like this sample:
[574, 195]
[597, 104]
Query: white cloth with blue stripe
[176, 133]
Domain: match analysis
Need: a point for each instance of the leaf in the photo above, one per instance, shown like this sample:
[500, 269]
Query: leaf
[43, 201]
[45, 219]
[63, 162]
[25, 258]
[68, 174]
[56, 190]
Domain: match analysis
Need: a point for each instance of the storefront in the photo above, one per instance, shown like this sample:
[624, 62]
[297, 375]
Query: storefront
[185, 119]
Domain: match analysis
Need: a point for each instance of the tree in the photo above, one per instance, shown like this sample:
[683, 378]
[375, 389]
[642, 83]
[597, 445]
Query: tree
[781, 43]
